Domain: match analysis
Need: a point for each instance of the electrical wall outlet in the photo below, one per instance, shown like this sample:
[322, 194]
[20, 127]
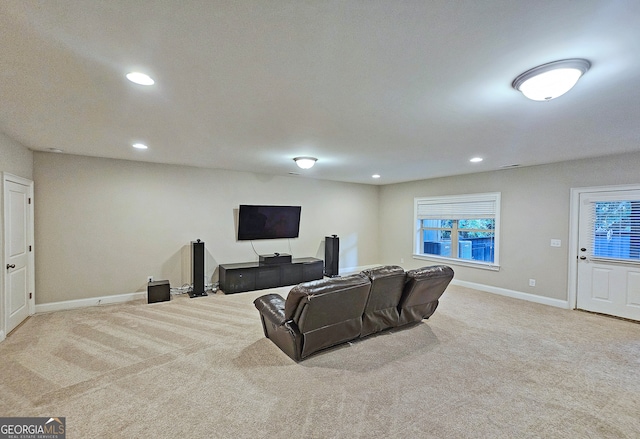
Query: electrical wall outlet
[532, 282]
[402, 260]
[149, 278]
[556, 243]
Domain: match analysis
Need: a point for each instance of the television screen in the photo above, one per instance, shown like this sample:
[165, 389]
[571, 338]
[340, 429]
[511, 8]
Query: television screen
[268, 222]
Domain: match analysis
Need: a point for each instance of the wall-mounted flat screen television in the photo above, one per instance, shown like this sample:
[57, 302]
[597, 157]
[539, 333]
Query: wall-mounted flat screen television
[268, 222]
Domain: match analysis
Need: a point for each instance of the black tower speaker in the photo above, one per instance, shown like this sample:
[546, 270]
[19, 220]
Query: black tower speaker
[331, 253]
[197, 269]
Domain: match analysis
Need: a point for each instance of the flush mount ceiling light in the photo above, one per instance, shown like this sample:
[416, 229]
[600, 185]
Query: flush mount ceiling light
[139, 146]
[476, 160]
[305, 162]
[551, 80]
[140, 78]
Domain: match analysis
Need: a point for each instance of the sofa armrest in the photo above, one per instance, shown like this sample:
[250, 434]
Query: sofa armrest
[271, 307]
[284, 333]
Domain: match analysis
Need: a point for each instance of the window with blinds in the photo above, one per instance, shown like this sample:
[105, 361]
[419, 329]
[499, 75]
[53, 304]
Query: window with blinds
[460, 228]
[616, 230]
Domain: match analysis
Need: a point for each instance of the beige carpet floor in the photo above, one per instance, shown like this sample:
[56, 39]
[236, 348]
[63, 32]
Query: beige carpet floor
[483, 366]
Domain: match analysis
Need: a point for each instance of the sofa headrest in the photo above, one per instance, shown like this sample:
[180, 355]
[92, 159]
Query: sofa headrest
[430, 272]
[385, 271]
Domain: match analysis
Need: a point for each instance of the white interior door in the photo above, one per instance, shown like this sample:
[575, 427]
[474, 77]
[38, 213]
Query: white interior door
[609, 253]
[17, 249]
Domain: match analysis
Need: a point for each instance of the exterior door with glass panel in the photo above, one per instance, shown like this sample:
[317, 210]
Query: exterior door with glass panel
[609, 253]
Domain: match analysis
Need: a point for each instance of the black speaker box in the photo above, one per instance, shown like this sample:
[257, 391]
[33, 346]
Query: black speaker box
[331, 254]
[158, 291]
[197, 269]
[276, 258]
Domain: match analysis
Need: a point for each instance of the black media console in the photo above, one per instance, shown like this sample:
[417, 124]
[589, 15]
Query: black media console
[249, 276]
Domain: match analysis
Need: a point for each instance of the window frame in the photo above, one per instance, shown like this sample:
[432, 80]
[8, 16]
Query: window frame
[460, 202]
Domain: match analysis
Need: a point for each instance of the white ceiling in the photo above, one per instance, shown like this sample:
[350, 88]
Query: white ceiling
[407, 89]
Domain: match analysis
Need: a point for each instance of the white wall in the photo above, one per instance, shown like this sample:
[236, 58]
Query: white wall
[535, 209]
[15, 158]
[103, 225]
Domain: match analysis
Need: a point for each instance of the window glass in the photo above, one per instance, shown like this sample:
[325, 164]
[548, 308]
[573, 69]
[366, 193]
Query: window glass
[617, 230]
[460, 235]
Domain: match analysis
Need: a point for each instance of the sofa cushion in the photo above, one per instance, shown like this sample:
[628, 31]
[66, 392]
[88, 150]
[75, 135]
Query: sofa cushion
[328, 312]
[423, 288]
[381, 311]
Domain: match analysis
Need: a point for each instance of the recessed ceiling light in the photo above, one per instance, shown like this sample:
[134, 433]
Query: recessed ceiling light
[375, 176]
[139, 146]
[551, 80]
[476, 160]
[140, 78]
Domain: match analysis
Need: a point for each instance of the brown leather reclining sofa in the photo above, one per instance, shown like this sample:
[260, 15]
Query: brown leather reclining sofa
[324, 313]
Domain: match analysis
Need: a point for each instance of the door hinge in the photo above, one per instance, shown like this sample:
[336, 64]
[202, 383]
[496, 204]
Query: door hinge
[29, 248]
[29, 200]
[30, 295]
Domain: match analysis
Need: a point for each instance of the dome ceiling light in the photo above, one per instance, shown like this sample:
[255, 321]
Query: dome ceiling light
[551, 80]
[305, 162]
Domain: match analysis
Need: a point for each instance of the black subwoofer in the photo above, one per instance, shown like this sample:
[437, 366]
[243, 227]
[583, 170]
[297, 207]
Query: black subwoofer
[197, 269]
[158, 291]
[331, 253]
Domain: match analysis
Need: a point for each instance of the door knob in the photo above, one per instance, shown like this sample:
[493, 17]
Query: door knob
[583, 257]
[583, 249]
[11, 266]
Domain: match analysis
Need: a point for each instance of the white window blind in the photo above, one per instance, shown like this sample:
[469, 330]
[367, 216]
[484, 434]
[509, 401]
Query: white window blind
[458, 207]
[615, 229]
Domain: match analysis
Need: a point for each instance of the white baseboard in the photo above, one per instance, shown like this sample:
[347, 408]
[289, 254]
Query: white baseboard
[515, 294]
[2, 336]
[93, 301]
